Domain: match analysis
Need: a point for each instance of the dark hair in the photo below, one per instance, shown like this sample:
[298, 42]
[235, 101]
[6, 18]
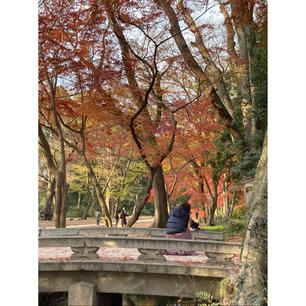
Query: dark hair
[186, 206]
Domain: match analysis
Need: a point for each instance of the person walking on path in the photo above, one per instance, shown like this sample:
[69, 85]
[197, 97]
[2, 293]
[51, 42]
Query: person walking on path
[123, 216]
[177, 227]
[98, 216]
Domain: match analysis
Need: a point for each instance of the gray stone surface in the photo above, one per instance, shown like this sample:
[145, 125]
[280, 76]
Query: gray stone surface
[82, 294]
[154, 232]
[133, 267]
[144, 243]
[130, 283]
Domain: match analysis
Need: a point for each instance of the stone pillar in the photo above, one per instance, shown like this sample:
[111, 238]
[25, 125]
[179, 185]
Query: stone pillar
[82, 294]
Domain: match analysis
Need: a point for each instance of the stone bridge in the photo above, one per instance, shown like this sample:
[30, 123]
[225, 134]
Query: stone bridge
[85, 275]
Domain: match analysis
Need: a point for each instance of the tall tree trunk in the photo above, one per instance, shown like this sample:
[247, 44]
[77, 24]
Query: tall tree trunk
[140, 204]
[210, 209]
[93, 202]
[225, 197]
[47, 211]
[220, 100]
[59, 173]
[89, 204]
[251, 288]
[231, 205]
[104, 210]
[242, 16]
[109, 202]
[160, 199]
[210, 213]
[61, 190]
[79, 200]
[64, 203]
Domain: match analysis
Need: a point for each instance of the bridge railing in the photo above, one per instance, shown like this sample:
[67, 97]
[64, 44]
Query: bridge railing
[123, 231]
[84, 248]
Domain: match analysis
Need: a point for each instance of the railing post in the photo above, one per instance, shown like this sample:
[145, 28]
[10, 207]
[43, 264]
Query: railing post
[85, 252]
[151, 255]
[223, 259]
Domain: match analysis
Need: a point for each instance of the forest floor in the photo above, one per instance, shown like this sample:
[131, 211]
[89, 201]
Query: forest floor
[144, 221]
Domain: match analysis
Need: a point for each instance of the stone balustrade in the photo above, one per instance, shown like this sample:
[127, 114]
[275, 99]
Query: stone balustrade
[151, 249]
[122, 231]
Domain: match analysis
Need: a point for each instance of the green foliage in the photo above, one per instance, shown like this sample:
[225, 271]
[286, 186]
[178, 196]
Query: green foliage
[130, 187]
[223, 159]
[239, 213]
[148, 210]
[74, 212]
[246, 165]
[229, 229]
[145, 300]
[41, 199]
[204, 298]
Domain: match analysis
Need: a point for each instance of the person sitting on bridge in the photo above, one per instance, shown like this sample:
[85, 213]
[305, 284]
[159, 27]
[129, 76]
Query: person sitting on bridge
[177, 227]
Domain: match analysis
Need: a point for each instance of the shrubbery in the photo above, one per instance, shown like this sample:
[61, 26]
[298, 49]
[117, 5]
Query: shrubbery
[74, 212]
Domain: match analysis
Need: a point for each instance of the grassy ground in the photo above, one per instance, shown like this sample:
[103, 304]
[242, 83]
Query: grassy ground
[229, 229]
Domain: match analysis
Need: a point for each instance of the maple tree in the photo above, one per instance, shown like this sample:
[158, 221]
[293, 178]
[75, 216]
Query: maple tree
[142, 75]
[209, 68]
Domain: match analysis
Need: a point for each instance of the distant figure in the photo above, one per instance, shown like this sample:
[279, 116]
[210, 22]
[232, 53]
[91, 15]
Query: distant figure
[117, 217]
[177, 227]
[123, 216]
[98, 216]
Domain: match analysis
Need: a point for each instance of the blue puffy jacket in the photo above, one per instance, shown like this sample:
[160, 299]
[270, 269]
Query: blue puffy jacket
[178, 221]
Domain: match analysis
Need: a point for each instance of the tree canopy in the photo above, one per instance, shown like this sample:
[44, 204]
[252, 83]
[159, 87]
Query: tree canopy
[151, 101]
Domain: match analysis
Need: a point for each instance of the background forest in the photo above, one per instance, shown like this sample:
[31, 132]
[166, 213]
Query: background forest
[143, 104]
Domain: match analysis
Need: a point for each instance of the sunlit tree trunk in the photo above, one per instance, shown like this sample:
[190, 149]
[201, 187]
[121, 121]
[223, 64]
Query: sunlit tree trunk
[211, 208]
[103, 207]
[61, 190]
[47, 211]
[251, 284]
[79, 200]
[109, 202]
[140, 204]
[93, 202]
[226, 204]
[61, 186]
[160, 199]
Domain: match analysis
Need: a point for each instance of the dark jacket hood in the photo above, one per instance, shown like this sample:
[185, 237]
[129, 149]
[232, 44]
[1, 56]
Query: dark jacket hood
[179, 212]
[178, 221]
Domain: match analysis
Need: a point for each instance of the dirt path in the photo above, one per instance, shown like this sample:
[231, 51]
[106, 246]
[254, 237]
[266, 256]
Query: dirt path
[144, 221]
